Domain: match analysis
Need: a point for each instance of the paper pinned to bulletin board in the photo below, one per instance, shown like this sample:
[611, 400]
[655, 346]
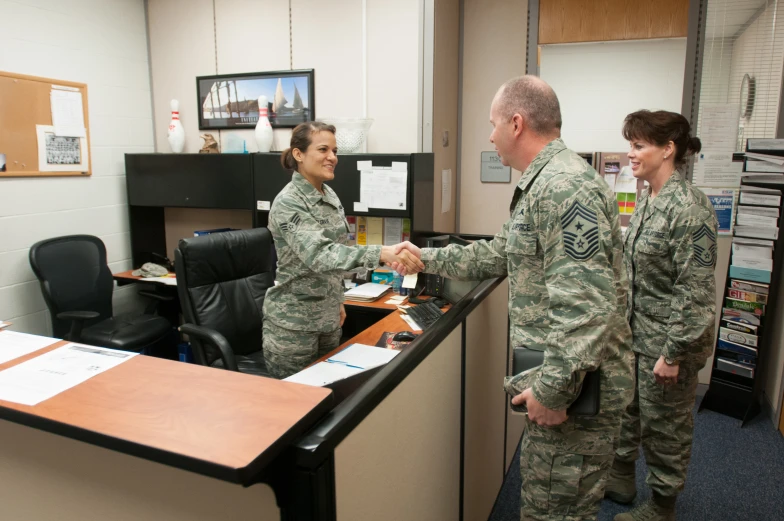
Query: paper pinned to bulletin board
[33, 143]
[724, 201]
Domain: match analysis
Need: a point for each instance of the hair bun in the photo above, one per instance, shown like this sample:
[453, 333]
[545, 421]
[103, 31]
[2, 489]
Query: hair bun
[287, 160]
[694, 146]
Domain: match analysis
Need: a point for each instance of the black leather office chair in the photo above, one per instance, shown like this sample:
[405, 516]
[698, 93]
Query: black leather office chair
[77, 287]
[222, 279]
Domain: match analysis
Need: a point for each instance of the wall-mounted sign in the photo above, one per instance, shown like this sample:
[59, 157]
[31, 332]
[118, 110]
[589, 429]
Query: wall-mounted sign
[492, 171]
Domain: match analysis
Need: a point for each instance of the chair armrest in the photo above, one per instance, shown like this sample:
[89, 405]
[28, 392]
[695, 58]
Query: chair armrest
[215, 339]
[157, 296]
[77, 319]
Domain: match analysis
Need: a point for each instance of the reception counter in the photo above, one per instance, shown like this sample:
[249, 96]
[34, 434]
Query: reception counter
[426, 437]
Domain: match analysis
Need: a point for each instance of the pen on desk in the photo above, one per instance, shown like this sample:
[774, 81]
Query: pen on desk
[344, 363]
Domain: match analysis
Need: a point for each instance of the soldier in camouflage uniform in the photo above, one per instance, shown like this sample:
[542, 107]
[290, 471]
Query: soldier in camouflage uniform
[670, 256]
[303, 313]
[562, 251]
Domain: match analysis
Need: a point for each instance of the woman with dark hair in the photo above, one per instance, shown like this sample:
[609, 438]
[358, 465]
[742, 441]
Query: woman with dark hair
[670, 256]
[303, 312]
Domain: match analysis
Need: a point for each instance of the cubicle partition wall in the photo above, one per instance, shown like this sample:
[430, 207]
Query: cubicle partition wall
[170, 196]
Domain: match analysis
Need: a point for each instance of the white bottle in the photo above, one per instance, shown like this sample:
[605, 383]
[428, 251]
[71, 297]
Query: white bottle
[176, 132]
[263, 128]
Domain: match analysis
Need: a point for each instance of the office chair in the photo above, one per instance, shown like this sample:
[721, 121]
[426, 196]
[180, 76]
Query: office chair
[77, 287]
[222, 279]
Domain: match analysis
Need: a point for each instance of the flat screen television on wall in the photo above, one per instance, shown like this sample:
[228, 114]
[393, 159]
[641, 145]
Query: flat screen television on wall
[231, 101]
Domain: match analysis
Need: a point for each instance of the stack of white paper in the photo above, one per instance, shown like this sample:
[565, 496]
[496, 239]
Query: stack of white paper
[356, 358]
[13, 344]
[366, 292]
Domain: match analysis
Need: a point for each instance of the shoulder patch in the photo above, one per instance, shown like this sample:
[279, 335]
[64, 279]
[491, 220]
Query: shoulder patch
[291, 225]
[705, 247]
[580, 231]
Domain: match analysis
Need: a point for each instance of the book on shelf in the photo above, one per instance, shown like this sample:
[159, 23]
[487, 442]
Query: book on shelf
[757, 263]
[726, 345]
[753, 248]
[750, 274]
[735, 325]
[768, 211]
[765, 146]
[738, 357]
[759, 166]
[742, 305]
[739, 294]
[735, 368]
[745, 339]
[750, 219]
[770, 158]
[743, 317]
[752, 287]
[756, 232]
[755, 195]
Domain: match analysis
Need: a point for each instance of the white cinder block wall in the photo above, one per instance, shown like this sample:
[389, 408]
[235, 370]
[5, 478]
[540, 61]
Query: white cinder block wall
[102, 43]
[598, 84]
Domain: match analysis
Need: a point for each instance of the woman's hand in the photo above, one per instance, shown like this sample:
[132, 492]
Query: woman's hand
[406, 260]
[342, 314]
[666, 374]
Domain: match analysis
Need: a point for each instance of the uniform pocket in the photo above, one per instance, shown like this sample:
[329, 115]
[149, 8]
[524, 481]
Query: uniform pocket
[565, 477]
[656, 247]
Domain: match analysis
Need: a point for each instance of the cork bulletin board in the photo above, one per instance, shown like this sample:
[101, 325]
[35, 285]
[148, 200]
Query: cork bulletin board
[28, 145]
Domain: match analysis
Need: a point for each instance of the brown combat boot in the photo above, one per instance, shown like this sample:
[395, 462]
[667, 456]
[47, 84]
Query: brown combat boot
[621, 486]
[657, 508]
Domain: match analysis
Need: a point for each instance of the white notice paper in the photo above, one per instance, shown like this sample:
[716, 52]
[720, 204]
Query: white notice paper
[67, 113]
[384, 189]
[393, 230]
[446, 190]
[410, 281]
[716, 173]
[13, 344]
[48, 375]
[719, 127]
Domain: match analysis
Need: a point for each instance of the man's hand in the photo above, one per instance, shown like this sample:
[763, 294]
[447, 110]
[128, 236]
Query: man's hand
[538, 413]
[342, 314]
[666, 374]
[408, 250]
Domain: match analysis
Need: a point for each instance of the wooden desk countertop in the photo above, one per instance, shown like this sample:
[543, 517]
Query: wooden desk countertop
[219, 423]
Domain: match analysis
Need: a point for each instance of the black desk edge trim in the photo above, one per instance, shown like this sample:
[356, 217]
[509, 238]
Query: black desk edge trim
[243, 476]
[319, 443]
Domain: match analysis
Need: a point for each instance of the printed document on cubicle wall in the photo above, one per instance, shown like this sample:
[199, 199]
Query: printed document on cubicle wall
[52, 373]
[383, 187]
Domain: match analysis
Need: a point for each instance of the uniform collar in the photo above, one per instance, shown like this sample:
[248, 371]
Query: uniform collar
[542, 158]
[664, 198]
[309, 192]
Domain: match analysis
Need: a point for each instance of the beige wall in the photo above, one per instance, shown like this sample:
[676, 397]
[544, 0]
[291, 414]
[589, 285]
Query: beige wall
[45, 476]
[445, 90]
[329, 40]
[494, 45]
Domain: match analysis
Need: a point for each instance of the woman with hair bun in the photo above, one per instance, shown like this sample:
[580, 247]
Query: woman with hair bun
[304, 312]
[670, 257]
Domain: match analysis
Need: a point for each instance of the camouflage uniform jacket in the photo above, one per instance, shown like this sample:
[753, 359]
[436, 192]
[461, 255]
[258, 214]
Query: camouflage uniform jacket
[310, 233]
[670, 257]
[562, 250]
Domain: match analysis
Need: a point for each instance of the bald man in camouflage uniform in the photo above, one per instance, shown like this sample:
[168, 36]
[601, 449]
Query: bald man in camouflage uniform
[562, 251]
[302, 312]
[670, 257]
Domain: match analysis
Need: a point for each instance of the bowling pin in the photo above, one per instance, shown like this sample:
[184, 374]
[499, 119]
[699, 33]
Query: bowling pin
[176, 132]
[263, 128]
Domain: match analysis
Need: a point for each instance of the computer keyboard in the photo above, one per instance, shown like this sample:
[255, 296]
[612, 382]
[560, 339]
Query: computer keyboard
[425, 314]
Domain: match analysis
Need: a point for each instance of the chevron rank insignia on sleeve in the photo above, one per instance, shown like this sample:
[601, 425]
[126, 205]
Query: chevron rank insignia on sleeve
[705, 247]
[580, 231]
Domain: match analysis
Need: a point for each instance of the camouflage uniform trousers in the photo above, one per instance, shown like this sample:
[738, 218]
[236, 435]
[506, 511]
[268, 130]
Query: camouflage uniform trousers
[661, 418]
[287, 351]
[564, 468]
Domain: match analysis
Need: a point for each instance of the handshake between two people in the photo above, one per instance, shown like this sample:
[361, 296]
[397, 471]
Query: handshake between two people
[404, 258]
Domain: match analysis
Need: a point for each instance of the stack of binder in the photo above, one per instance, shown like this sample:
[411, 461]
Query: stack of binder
[764, 157]
[367, 292]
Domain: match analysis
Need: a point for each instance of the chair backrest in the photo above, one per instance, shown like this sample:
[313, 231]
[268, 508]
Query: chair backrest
[222, 279]
[74, 276]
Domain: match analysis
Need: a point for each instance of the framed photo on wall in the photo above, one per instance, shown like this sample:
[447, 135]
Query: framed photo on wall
[230, 101]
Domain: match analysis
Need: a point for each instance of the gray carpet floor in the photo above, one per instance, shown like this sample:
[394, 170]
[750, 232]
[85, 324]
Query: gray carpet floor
[735, 475]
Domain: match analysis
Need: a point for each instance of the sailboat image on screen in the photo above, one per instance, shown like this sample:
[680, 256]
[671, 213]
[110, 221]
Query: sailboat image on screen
[230, 101]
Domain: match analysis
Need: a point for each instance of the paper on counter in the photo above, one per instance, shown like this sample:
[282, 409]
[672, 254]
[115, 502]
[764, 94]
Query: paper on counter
[411, 323]
[13, 344]
[362, 356]
[48, 375]
[322, 374]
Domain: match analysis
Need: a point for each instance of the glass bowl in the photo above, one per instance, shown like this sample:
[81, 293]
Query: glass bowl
[350, 133]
